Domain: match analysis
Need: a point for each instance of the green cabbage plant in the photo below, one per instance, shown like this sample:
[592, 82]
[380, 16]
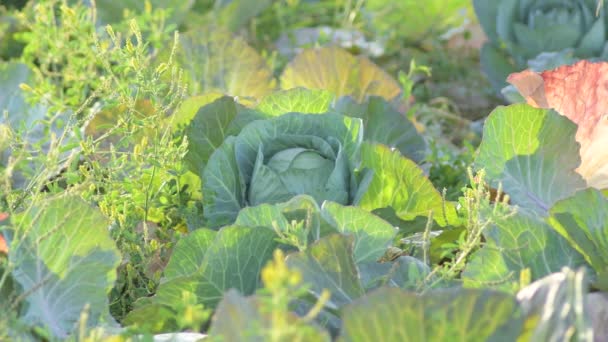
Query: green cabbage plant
[273, 160]
[522, 32]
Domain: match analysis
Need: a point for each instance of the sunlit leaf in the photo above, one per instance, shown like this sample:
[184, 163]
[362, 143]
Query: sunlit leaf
[339, 72]
[216, 61]
[400, 184]
[579, 93]
[208, 263]
[532, 152]
[385, 125]
[66, 260]
[300, 100]
[583, 220]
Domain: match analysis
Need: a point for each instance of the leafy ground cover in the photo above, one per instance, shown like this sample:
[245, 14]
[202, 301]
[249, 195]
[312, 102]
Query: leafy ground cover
[303, 170]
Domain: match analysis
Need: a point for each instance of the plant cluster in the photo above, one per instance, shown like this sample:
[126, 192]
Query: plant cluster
[251, 179]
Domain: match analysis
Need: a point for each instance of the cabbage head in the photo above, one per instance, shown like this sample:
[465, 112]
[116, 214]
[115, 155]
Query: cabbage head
[275, 159]
[521, 30]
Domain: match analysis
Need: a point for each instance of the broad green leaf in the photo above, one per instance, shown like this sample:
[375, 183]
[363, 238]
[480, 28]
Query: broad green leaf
[329, 264]
[375, 274]
[514, 244]
[405, 272]
[372, 235]
[409, 272]
[533, 153]
[390, 314]
[223, 186]
[572, 91]
[556, 309]
[210, 127]
[335, 70]
[186, 111]
[400, 184]
[152, 318]
[32, 122]
[66, 261]
[237, 319]
[385, 125]
[188, 254]
[240, 319]
[583, 220]
[300, 100]
[233, 259]
[216, 61]
[280, 216]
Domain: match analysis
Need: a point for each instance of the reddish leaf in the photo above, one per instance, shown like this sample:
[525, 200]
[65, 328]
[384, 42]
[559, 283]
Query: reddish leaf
[580, 92]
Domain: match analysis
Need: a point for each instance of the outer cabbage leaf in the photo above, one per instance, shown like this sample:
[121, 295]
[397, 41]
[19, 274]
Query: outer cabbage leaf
[533, 153]
[583, 220]
[385, 125]
[303, 209]
[207, 264]
[11, 96]
[405, 272]
[211, 125]
[329, 264]
[339, 72]
[372, 235]
[66, 261]
[188, 254]
[33, 122]
[579, 93]
[298, 100]
[514, 244]
[400, 184]
[186, 111]
[390, 314]
[215, 60]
